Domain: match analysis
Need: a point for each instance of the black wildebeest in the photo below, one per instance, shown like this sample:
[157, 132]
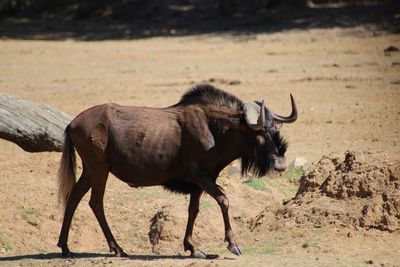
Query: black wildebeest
[182, 147]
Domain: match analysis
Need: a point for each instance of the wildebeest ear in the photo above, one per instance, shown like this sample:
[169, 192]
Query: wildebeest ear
[235, 121]
[232, 121]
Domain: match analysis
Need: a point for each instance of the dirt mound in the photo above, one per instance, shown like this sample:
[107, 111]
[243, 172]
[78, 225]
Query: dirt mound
[360, 191]
[166, 231]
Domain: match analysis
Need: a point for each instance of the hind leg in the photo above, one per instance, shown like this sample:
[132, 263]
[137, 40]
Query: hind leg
[76, 195]
[98, 179]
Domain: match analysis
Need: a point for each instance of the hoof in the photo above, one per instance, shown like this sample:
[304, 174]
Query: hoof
[66, 253]
[201, 255]
[235, 250]
[121, 254]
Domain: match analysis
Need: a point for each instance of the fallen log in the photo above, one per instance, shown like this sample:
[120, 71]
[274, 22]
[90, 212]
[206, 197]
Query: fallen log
[34, 127]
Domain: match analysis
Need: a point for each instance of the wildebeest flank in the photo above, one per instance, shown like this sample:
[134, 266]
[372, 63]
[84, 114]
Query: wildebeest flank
[181, 147]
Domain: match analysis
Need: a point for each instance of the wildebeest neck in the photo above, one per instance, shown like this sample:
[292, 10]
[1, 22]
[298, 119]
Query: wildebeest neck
[222, 109]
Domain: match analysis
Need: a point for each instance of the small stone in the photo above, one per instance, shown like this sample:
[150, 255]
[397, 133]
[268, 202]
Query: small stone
[349, 234]
[235, 82]
[299, 162]
[370, 262]
[232, 170]
[392, 49]
[395, 82]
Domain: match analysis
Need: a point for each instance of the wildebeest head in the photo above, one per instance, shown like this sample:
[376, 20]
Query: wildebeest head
[261, 146]
[265, 148]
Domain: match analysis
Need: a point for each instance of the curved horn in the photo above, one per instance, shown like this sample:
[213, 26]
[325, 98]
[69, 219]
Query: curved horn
[289, 119]
[261, 119]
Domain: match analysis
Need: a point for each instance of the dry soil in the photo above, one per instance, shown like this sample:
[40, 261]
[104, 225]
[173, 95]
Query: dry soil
[343, 212]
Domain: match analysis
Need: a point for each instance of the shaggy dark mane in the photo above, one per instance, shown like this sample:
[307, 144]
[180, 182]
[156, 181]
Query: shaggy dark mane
[209, 95]
[261, 166]
[281, 143]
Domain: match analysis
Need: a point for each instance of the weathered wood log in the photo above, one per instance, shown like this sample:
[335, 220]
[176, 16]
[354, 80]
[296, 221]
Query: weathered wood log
[34, 127]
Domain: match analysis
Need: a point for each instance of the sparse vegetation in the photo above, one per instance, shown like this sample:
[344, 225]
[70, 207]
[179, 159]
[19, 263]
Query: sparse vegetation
[282, 186]
[286, 184]
[41, 251]
[258, 184]
[205, 204]
[5, 243]
[32, 217]
[270, 247]
[294, 175]
[144, 193]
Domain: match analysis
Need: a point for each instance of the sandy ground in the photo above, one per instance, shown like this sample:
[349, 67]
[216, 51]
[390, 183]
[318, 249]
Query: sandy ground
[348, 94]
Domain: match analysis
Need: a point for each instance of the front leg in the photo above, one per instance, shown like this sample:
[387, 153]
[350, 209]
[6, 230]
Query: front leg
[215, 191]
[193, 211]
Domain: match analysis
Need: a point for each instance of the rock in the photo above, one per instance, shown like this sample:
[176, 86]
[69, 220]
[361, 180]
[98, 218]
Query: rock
[235, 82]
[395, 82]
[299, 163]
[233, 171]
[349, 234]
[392, 49]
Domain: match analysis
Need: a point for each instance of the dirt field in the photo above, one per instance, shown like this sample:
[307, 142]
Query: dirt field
[348, 94]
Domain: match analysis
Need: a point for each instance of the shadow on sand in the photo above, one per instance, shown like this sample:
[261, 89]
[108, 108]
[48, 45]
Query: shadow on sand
[203, 20]
[53, 255]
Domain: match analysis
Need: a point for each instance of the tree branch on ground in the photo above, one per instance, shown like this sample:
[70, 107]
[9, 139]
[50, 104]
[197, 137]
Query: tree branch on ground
[34, 127]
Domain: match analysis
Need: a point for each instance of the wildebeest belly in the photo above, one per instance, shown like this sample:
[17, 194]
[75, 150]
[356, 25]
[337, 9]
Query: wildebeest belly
[144, 153]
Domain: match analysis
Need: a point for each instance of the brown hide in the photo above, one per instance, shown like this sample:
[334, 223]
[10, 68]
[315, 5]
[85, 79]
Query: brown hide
[145, 146]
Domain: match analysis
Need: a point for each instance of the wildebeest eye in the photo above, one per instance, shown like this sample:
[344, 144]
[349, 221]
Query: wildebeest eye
[260, 140]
